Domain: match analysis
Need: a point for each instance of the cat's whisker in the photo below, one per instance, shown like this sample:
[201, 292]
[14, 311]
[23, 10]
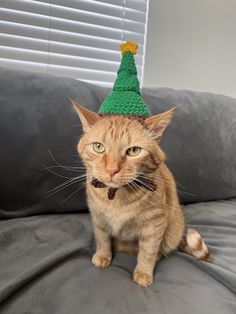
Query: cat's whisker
[138, 187]
[78, 161]
[71, 180]
[64, 186]
[146, 185]
[139, 192]
[151, 194]
[69, 168]
[68, 182]
[166, 182]
[59, 164]
[159, 176]
[166, 205]
[77, 190]
[135, 189]
[57, 174]
[54, 158]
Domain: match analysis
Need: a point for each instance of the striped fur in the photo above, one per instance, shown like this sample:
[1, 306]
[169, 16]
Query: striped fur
[143, 215]
[193, 244]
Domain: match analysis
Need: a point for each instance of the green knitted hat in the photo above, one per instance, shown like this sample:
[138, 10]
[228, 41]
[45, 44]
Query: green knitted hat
[125, 98]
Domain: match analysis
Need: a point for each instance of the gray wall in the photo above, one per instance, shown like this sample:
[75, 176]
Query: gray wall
[192, 45]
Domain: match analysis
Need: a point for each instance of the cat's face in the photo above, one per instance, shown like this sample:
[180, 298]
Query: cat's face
[116, 150]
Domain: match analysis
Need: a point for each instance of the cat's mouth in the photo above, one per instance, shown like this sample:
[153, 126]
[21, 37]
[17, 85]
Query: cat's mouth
[145, 183]
[113, 185]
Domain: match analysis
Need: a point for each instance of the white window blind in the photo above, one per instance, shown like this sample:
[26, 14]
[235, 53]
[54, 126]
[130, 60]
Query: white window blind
[72, 38]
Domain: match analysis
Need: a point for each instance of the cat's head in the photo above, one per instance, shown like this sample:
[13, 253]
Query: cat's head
[116, 149]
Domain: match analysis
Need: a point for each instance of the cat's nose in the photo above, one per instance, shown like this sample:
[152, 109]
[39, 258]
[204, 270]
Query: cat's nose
[112, 171]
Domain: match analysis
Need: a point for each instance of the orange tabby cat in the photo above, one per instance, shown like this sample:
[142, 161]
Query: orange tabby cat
[131, 192]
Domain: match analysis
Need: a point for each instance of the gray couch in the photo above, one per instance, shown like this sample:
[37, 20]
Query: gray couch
[46, 243]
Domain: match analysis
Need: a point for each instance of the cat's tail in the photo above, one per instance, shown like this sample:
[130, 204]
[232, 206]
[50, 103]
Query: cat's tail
[194, 245]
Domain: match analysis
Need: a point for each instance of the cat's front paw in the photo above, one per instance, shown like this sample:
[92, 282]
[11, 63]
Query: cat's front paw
[101, 261]
[142, 279]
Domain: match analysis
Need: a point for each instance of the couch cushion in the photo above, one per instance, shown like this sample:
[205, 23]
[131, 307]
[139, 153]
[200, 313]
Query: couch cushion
[46, 268]
[199, 143]
[37, 124]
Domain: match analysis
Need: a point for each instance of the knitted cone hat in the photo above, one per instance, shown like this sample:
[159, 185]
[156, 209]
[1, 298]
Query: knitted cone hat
[125, 98]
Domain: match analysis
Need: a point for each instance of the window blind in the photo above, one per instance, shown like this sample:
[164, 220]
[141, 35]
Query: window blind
[71, 38]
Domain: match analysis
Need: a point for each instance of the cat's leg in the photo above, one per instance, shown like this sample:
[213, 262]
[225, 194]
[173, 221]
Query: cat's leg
[173, 233]
[149, 244]
[102, 257]
[125, 246]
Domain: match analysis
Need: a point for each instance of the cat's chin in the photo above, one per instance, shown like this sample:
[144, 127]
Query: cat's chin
[113, 185]
[104, 183]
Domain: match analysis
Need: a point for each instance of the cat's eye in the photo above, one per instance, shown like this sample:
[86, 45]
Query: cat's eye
[99, 147]
[133, 151]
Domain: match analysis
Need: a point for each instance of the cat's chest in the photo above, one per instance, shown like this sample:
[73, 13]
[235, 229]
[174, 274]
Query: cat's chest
[120, 222]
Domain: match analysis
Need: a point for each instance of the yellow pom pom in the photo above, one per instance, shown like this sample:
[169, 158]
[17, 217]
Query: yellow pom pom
[129, 46]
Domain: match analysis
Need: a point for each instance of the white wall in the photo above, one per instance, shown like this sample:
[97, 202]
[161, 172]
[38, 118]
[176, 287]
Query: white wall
[191, 44]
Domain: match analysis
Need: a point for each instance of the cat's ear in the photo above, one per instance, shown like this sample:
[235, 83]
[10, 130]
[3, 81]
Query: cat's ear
[88, 118]
[159, 122]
